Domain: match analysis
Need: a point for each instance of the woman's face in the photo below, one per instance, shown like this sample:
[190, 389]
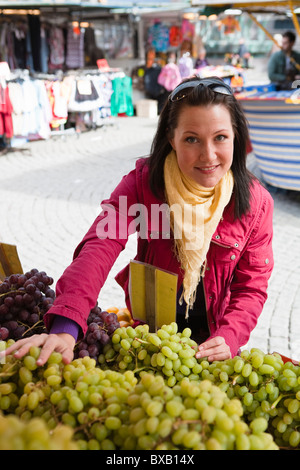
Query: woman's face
[203, 142]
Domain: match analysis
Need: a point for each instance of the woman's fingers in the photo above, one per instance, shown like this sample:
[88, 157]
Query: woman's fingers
[215, 349]
[23, 346]
[49, 346]
[62, 343]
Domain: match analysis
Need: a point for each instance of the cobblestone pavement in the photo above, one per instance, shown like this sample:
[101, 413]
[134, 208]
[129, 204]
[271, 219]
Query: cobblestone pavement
[50, 192]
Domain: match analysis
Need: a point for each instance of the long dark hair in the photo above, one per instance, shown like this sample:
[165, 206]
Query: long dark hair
[168, 121]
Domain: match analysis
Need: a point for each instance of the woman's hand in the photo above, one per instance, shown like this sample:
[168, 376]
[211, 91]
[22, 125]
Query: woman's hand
[62, 343]
[215, 349]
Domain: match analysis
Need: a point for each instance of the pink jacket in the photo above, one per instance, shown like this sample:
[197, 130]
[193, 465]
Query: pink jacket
[239, 261]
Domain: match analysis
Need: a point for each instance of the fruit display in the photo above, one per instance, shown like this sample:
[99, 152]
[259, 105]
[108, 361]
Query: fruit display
[124, 316]
[24, 299]
[101, 325]
[110, 410]
[249, 402]
[16, 434]
[131, 389]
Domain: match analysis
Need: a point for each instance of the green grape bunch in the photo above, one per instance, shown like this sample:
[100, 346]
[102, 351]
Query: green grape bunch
[16, 434]
[147, 391]
[168, 352]
[267, 387]
[191, 415]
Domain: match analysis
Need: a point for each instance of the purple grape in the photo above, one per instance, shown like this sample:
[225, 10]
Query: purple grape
[3, 309]
[21, 279]
[83, 353]
[37, 295]
[82, 345]
[27, 299]
[13, 279]
[96, 335]
[23, 315]
[30, 288]
[18, 300]
[33, 319]
[4, 333]
[9, 301]
[4, 287]
[111, 328]
[93, 350]
[19, 332]
[101, 325]
[105, 338]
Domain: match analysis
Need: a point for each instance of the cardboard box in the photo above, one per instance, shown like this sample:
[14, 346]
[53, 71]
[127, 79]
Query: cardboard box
[146, 108]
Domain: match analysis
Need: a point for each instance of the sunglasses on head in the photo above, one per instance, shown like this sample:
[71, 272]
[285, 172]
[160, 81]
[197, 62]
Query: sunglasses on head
[184, 89]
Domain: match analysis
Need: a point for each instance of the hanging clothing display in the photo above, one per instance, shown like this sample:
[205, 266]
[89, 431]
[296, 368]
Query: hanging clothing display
[34, 33]
[44, 50]
[84, 95]
[58, 103]
[6, 123]
[57, 48]
[185, 65]
[158, 35]
[175, 36]
[47, 43]
[75, 48]
[121, 98]
[50, 88]
[16, 97]
[19, 41]
[39, 106]
[169, 76]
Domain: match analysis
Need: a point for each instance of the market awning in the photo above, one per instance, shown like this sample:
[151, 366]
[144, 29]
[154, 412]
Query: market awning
[268, 6]
[12, 4]
[287, 7]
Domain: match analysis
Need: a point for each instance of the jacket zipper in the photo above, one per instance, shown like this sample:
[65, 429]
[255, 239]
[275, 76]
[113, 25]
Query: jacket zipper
[208, 323]
[207, 316]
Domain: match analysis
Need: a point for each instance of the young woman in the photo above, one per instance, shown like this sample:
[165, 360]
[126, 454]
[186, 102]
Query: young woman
[221, 249]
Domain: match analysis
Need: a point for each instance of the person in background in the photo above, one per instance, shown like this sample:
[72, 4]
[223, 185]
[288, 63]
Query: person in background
[243, 53]
[284, 65]
[201, 61]
[169, 77]
[223, 259]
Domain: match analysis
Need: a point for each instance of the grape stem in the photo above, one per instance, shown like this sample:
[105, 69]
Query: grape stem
[33, 326]
[135, 371]
[275, 403]
[8, 372]
[141, 341]
[235, 378]
[12, 292]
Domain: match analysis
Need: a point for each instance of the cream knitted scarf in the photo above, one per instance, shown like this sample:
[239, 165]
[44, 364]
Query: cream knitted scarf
[195, 212]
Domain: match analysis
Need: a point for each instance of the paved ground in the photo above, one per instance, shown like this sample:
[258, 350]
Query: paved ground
[50, 193]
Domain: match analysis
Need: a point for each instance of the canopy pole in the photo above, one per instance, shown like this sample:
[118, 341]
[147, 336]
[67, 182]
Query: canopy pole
[295, 19]
[264, 29]
[271, 37]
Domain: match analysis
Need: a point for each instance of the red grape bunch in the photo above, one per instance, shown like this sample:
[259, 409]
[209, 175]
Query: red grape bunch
[24, 299]
[101, 325]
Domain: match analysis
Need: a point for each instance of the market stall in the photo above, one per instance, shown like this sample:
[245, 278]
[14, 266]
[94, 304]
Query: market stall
[135, 383]
[274, 116]
[54, 73]
[133, 388]
[274, 124]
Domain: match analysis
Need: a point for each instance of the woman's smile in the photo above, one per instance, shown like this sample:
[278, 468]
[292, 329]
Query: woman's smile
[208, 169]
[203, 142]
